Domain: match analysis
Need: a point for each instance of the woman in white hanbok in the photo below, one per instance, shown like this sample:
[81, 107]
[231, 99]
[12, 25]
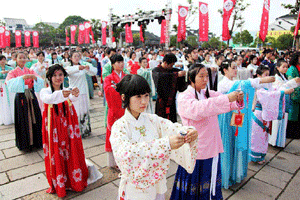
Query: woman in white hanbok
[144, 143]
[77, 71]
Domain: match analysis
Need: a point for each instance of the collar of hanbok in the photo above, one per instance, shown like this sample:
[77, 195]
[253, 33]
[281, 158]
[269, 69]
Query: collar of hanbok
[131, 119]
[200, 94]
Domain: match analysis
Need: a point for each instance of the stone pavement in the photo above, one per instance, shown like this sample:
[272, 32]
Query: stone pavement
[22, 174]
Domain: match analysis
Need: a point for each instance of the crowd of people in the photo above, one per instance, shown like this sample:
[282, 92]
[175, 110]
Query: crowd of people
[231, 106]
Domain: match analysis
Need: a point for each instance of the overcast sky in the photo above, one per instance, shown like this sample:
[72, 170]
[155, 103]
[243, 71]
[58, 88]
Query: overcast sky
[33, 11]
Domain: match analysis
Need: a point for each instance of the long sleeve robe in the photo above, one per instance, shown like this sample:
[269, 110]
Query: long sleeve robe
[142, 151]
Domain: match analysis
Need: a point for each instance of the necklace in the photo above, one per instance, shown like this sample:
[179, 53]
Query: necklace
[142, 130]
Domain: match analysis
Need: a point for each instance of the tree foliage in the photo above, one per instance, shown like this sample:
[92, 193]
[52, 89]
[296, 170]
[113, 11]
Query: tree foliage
[192, 40]
[72, 20]
[285, 41]
[47, 33]
[293, 8]
[244, 38]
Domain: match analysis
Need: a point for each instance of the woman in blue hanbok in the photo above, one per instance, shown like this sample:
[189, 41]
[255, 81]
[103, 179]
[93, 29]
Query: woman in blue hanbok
[234, 160]
[6, 97]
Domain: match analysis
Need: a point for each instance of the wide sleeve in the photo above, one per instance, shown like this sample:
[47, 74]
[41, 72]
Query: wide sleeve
[111, 95]
[293, 73]
[38, 84]
[92, 70]
[16, 85]
[143, 163]
[72, 69]
[106, 70]
[191, 108]
[184, 156]
[48, 97]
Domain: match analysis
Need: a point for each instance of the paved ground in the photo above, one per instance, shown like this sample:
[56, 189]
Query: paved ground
[22, 175]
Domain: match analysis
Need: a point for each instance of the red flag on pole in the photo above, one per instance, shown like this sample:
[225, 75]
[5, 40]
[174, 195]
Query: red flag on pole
[67, 37]
[73, 33]
[2, 37]
[27, 38]
[104, 26]
[81, 34]
[163, 31]
[182, 13]
[92, 34]
[7, 38]
[203, 21]
[264, 25]
[297, 25]
[141, 33]
[227, 10]
[18, 38]
[35, 39]
[87, 31]
[128, 34]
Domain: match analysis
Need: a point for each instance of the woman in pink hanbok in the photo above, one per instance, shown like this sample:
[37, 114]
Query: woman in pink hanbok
[269, 104]
[28, 118]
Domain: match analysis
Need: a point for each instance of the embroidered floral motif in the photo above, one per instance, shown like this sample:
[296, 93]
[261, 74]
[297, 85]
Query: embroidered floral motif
[46, 149]
[55, 136]
[77, 174]
[61, 179]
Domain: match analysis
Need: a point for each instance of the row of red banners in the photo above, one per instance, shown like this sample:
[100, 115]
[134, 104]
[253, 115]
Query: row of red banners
[229, 5]
[5, 38]
[84, 33]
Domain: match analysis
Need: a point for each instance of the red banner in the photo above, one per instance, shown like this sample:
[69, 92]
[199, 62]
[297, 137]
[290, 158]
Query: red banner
[2, 37]
[163, 31]
[18, 38]
[67, 37]
[182, 13]
[104, 25]
[87, 30]
[35, 39]
[92, 34]
[203, 21]
[7, 38]
[141, 34]
[27, 38]
[73, 33]
[227, 10]
[81, 34]
[128, 34]
[297, 25]
[264, 24]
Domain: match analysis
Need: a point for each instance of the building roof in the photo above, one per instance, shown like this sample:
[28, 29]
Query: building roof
[288, 16]
[14, 22]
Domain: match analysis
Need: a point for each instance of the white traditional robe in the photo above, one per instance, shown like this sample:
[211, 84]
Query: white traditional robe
[142, 151]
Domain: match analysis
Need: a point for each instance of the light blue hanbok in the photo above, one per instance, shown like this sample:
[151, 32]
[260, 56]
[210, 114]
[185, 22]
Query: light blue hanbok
[234, 160]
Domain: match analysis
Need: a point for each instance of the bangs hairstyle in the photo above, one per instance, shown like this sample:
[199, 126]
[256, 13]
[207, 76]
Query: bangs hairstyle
[261, 69]
[39, 53]
[132, 85]
[225, 65]
[279, 63]
[192, 73]
[116, 58]
[49, 75]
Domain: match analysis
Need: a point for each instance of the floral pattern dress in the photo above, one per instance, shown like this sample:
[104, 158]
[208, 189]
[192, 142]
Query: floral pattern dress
[64, 155]
[142, 151]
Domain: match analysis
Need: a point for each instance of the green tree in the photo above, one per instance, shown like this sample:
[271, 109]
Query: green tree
[285, 41]
[136, 39]
[205, 45]
[192, 40]
[173, 40]
[71, 20]
[293, 8]
[96, 28]
[238, 19]
[244, 38]
[2, 23]
[47, 34]
[214, 42]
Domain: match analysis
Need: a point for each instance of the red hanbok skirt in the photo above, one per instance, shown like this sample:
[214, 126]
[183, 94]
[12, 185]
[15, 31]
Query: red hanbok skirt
[64, 155]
